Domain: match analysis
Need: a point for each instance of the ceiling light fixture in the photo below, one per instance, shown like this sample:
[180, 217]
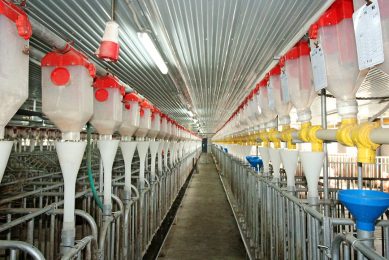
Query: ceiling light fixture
[149, 45]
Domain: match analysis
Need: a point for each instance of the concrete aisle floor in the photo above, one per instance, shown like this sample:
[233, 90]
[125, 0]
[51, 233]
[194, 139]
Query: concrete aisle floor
[205, 227]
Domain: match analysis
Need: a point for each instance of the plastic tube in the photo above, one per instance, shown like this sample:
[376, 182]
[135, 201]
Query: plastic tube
[89, 167]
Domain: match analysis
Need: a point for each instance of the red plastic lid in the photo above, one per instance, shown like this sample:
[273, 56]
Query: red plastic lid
[339, 10]
[275, 71]
[101, 94]
[131, 97]
[60, 76]
[70, 58]
[300, 49]
[18, 16]
[263, 83]
[108, 81]
[255, 91]
[145, 105]
[155, 110]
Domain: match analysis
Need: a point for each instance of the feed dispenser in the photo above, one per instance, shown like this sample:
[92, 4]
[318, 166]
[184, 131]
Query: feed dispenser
[130, 123]
[255, 162]
[141, 133]
[107, 118]
[161, 136]
[153, 133]
[15, 32]
[67, 100]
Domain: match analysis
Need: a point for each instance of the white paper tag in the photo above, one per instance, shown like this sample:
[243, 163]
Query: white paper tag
[270, 96]
[319, 68]
[368, 35]
[284, 87]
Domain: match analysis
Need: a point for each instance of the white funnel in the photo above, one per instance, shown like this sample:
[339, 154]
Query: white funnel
[70, 156]
[128, 150]
[160, 149]
[5, 151]
[166, 149]
[275, 158]
[108, 150]
[312, 164]
[264, 152]
[172, 153]
[143, 147]
[154, 145]
[289, 161]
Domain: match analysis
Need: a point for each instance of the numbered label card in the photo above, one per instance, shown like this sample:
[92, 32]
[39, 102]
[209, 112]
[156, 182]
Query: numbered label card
[284, 87]
[318, 68]
[368, 35]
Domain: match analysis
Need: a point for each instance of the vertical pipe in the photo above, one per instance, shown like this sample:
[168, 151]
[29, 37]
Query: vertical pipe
[359, 175]
[325, 162]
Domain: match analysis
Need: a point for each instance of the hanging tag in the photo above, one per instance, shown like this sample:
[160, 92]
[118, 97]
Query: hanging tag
[319, 68]
[284, 87]
[368, 35]
[270, 96]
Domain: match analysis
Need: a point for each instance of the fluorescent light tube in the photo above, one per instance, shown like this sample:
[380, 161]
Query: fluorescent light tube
[148, 44]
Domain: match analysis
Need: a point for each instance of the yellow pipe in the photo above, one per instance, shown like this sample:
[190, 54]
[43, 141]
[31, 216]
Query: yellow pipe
[316, 143]
[264, 137]
[307, 134]
[273, 137]
[303, 133]
[286, 136]
[360, 136]
[343, 135]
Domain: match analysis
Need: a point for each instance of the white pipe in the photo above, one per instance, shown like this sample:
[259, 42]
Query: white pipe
[171, 148]
[108, 150]
[312, 164]
[275, 158]
[166, 149]
[160, 161]
[128, 149]
[142, 147]
[154, 145]
[289, 160]
[70, 156]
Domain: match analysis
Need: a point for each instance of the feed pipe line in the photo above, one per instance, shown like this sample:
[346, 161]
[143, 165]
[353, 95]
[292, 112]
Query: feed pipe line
[23, 246]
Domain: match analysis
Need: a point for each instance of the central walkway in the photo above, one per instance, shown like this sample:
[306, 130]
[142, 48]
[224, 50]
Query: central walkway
[205, 227]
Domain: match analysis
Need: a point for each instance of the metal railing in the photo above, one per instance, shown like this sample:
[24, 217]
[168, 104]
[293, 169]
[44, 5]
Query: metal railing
[279, 224]
[31, 210]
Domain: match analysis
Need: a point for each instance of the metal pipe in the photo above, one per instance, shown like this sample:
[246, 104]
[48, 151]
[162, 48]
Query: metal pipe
[355, 243]
[23, 246]
[77, 248]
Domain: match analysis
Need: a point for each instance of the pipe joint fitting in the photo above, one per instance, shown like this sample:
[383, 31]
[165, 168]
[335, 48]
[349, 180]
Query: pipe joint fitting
[286, 136]
[317, 144]
[360, 135]
[273, 137]
[303, 133]
[263, 135]
[343, 135]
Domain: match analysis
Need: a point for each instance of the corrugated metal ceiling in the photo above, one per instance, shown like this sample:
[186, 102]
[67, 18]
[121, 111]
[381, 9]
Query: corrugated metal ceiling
[215, 49]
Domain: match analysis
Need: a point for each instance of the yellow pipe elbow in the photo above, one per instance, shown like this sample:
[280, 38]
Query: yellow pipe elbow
[361, 138]
[263, 135]
[273, 138]
[343, 135]
[286, 136]
[303, 133]
[316, 143]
